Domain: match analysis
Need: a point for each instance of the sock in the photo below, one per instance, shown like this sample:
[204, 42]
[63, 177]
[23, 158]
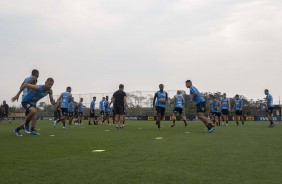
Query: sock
[209, 126]
[173, 121]
[58, 120]
[271, 121]
[64, 124]
[108, 122]
[32, 129]
[18, 129]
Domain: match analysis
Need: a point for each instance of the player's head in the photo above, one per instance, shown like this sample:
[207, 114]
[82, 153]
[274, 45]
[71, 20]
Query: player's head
[72, 99]
[121, 87]
[94, 98]
[210, 95]
[35, 73]
[103, 98]
[266, 91]
[237, 96]
[213, 97]
[81, 99]
[4, 102]
[178, 92]
[107, 97]
[49, 83]
[68, 89]
[188, 83]
[161, 86]
[224, 95]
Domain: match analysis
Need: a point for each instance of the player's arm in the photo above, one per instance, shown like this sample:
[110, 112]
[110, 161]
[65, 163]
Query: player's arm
[52, 98]
[194, 94]
[228, 105]
[26, 85]
[154, 100]
[60, 98]
[125, 101]
[172, 100]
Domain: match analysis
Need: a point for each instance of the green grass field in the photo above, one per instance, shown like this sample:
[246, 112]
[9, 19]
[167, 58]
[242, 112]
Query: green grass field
[241, 155]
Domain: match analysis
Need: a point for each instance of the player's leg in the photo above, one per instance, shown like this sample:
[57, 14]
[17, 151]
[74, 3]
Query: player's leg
[174, 117]
[28, 118]
[183, 118]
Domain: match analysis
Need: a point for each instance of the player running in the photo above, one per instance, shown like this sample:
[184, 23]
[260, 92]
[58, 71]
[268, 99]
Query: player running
[79, 111]
[65, 98]
[216, 110]
[200, 104]
[159, 103]
[225, 108]
[35, 93]
[71, 108]
[102, 110]
[239, 110]
[269, 107]
[178, 101]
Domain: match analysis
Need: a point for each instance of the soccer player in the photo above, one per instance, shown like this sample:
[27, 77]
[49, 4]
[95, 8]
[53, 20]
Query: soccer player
[79, 111]
[159, 103]
[36, 92]
[119, 101]
[269, 107]
[216, 110]
[71, 108]
[107, 111]
[57, 111]
[102, 110]
[92, 111]
[30, 80]
[178, 101]
[200, 104]
[225, 107]
[65, 98]
[5, 111]
[238, 110]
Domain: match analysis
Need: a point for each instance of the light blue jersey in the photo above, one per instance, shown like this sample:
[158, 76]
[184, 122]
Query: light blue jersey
[65, 100]
[79, 108]
[25, 91]
[224, 103]
[216, 105]
[71, 107]
[269, 100]
[161, 99]
[106, 105]
[178, 101]
[92, 105]
[238, 104]
[34, 96]
[211, 104]
[101, 106]
[198, 98]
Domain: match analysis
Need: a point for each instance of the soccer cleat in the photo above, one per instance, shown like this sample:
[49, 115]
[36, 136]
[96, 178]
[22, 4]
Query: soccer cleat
[18, 133]
[271, 125]
[64, 127]
[55, 123]
[26, 128]
[210, 130]
[34, 132]
[186, 124]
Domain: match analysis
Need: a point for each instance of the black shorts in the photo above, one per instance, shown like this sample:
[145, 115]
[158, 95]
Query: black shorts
[201, 107]
[160, 110]
[225, 112]
[218, 114]
[80, 113]
[119, 110]
[269, 110]
[107, 113]
[70, 114]
[64, 111]
[102, 113]
[92, 114]
[238, 112]
[178, 110]
[26, 106]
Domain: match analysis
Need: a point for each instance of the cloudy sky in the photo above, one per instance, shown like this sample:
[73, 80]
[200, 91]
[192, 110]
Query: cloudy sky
[94, 45]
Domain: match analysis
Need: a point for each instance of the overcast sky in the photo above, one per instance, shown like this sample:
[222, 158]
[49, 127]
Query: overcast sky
[94, 45]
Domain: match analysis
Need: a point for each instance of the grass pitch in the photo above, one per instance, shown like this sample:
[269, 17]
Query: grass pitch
[141, 154]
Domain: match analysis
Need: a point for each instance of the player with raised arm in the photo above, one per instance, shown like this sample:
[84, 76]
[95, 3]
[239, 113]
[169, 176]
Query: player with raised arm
[200, 104]
[35, 93]
[178, 101]
[159, 103]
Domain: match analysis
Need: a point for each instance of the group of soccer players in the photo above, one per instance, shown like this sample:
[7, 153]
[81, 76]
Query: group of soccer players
[69, 109]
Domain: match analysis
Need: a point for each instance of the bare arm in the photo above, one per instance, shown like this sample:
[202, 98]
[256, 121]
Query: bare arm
[154, 101]
[174, 98]
[26, 85]
[52, 98]
[59, 99]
